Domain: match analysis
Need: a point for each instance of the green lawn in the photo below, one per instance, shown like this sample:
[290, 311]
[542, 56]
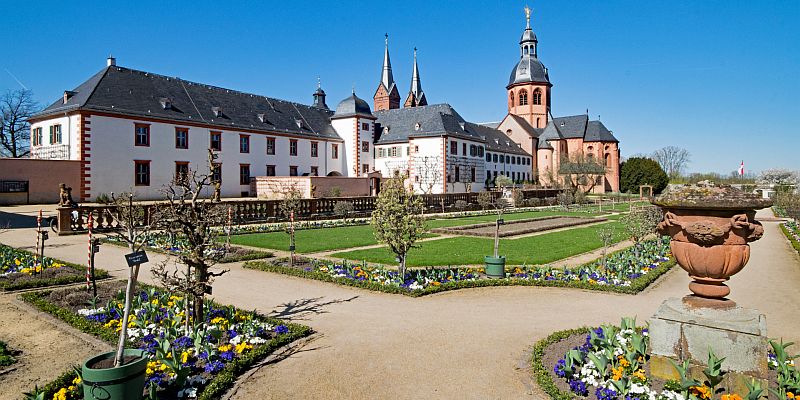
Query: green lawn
[315, 240]
[540, 249]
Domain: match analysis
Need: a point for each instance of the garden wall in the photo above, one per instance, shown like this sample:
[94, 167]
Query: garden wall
[43, 177]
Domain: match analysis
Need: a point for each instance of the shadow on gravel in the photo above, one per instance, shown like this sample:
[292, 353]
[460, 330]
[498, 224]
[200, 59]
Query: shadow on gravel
[301, 309]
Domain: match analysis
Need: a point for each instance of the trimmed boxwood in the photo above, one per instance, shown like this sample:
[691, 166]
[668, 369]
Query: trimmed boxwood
[249, 256]
[541, 371]
[221, 382]
[637, 285]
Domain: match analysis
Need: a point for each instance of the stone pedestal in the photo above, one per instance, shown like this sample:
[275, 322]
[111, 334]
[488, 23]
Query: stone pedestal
[685, 329]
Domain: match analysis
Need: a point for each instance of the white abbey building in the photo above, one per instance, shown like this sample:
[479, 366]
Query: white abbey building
[138, 130]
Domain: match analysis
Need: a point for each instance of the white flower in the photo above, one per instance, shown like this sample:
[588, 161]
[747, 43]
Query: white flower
[91, 311]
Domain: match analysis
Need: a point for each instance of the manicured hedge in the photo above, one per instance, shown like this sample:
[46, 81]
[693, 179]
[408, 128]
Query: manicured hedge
[249, 256]
[542, 372]
[221, 382]
[637, 285]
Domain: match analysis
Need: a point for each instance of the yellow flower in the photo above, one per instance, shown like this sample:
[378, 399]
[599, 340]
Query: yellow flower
[790, 395]
[225, 347]
[703, 392]
[616, 373]
[623, 362]
[77, 380]
[731, 397]
[185, 356]
[640, 375]
[170, 303]
[61, 394]
[242, 347]
[154, 302]
[163, 367]
[16, 261]
[71, 388]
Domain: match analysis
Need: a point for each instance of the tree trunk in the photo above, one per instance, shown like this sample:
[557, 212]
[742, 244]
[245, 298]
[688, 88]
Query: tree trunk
[200, 282]
[401, 269]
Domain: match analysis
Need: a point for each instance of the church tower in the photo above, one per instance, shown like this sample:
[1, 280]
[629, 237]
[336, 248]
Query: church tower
[416, 97]
[386, 96]
[529, 84]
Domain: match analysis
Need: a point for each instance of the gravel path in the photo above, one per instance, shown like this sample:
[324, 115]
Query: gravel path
[467, 344]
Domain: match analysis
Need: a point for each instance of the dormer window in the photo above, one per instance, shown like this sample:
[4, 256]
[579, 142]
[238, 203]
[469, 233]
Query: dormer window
[416, 126]
[68, 95]
[166, 103]
[299, 123]
[262, 118]
[217, 111]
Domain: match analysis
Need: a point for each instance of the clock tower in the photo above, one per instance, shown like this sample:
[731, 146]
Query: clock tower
[529, 85]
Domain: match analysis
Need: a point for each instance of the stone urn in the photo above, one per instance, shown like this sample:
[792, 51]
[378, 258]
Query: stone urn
[710, 227]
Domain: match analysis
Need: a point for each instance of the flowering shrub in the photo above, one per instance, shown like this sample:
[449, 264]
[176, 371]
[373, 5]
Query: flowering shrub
[181, 363]
[611, 364]
[621, 270]
[18, 261]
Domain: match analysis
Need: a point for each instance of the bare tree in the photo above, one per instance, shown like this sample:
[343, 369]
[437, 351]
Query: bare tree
[429, 171]
[16, 107]
[673, 160]
[192, 215]
[581, 173]
[779, 177]
[134, 223]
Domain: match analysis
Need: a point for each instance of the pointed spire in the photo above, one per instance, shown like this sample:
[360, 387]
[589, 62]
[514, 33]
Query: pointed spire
[386, 75]
[416, 97]
[319, 96]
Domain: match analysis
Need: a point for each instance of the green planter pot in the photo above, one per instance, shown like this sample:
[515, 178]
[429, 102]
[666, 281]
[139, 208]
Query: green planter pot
[495, 266]
[122, 383]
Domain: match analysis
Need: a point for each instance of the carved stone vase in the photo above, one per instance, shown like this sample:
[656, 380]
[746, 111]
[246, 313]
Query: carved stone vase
[710, 227]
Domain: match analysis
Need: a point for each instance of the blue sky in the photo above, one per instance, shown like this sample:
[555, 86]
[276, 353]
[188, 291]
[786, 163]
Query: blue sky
[719, 78]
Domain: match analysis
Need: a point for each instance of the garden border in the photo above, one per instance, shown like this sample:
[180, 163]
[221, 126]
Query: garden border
[100, 274]
[795, 244]
[542, 373]
[460, 229]
[268, 253]
[221, 382]
[637, 285]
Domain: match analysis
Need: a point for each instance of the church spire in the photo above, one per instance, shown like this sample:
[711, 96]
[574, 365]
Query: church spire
[386, 75]
[416, 97]
[386, 96]
[319, 96]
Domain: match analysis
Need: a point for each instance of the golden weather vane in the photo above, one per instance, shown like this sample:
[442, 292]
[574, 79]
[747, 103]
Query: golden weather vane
[527, 15]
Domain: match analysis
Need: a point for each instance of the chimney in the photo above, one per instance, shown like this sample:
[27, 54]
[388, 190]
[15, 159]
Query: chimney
[111, 61]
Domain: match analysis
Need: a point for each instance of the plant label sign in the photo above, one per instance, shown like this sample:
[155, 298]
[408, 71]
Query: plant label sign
[135, 258]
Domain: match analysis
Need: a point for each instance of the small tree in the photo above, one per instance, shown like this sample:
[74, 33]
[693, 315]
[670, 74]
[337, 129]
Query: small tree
[485, 199]
[193, 217]
[637, 171]
[606, 235]
[343, 208]
[134, 224]
[397, 219]
[641, 222]
[581, 173]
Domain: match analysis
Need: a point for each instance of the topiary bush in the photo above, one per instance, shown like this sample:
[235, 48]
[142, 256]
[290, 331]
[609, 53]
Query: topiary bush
[638, 171]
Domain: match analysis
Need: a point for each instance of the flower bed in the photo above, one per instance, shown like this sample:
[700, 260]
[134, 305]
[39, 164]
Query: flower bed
[20, 269]
[198, 364]
[792, 232]
[161, 242]
[611, 363]
[626, 271]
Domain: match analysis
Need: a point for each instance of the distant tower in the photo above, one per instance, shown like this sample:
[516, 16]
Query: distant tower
[386, 96]
[319, 96]
[416, 97]
[529, 84]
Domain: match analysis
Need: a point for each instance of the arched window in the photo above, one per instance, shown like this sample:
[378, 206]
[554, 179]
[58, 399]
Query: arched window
[538, 122]
[608, 160]
[537, 96]
[512, 98]
[523, 97]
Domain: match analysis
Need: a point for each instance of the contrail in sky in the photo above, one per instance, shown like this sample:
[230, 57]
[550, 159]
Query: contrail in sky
[15, 78]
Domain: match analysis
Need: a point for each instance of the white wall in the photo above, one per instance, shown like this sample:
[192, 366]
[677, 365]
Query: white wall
[70, 130]
[113, 154]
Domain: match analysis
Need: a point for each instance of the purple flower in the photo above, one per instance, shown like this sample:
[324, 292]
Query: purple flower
[578, 387]
[281, 329]
[182, 342]
[227, 355]
[605, 394]
[213, 367]
[559, 368]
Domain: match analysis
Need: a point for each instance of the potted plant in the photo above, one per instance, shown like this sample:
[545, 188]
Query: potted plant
[120, 374]
[496, 264]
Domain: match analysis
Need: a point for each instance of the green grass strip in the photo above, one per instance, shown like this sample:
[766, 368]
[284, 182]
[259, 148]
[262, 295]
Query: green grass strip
[792, 240]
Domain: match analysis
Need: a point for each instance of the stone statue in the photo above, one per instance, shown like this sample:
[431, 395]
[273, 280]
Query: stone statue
[65, 196]
[216, 198]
